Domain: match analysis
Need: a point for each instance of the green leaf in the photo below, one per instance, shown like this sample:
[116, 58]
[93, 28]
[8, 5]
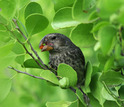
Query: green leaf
[120, 62]
[88, 74]
[62, 3]
[117, 51]
[36, 23]
[121, 92]
[2, 28]
[7, 60]
[102, 59]
[65, 70]
[93, 101]
[58, 104]
[87, 4]
[5, 86]
[51, 77]
[93, 16]
[121, 15]
[19, 50]
[112, 103]
[5, 12]
[63, 18]
[107, 37]
[2, 20]
[81, 14]
[49, 12]
[80, 96]
[4, 37]
[26, 99]
[5, 50]
[30, 63]
[81, 35]
[108, 7]
[64, 82]
[23, 3]
[96, 87]
[112, 78]
[99, 25]
[20, 59]
[109, 64]
[106, 95]
[33, 7]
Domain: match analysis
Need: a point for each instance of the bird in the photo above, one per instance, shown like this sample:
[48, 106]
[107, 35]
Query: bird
[63, 50]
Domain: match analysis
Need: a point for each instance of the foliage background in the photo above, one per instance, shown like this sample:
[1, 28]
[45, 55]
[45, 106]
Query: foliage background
[96, 26]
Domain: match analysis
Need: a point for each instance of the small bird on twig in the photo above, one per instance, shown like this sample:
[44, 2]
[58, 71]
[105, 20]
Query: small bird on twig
[62, 50]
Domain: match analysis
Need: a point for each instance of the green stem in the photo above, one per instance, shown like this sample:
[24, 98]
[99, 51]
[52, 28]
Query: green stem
[118, 100]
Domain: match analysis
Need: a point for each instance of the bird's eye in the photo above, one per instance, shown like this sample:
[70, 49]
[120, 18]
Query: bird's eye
[53, 38]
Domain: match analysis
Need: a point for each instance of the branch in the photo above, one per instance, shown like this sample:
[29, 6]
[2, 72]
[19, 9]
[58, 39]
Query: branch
[25, 48]
[86, 98]
[17, 27]
[25, 73]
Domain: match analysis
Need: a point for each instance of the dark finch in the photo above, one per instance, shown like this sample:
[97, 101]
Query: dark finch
[62, 50]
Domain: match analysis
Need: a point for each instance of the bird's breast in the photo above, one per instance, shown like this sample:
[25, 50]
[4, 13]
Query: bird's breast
[69, 57]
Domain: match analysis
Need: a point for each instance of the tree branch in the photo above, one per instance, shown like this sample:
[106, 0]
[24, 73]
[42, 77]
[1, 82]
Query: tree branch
[17, 27]
[25, 73]
[25, 48]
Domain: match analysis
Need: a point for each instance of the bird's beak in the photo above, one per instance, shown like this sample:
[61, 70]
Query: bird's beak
[44, 46]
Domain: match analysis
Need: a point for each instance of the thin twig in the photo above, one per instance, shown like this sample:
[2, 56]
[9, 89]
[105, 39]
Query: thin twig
[86, 98]
[74, 90]
[25, 48]
[25, 73]
[17, 27]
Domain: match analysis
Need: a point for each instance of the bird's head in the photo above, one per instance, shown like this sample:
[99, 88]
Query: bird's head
[55, 42]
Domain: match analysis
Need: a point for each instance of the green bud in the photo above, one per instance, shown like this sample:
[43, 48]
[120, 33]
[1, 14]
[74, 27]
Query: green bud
[64, 82]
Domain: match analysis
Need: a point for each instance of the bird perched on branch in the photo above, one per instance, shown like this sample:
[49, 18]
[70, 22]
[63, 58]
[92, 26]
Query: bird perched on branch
[62, 50]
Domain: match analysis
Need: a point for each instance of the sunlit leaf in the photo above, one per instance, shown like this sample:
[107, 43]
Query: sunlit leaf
[80, 96]
[48, 75]
[93, 101]
[121, 15]
[65, 70]
[99, 25]
[112, 78]
[88, 74]
[81, 35]
[63, 18]
[109, 64]
[96, 87]
[22, 3]
[5, 50]
[4, 37]
[7, 60]
[33, 7]
[58, 104]
[2, 20]
[8, 13]
[49, 12]
[61, 3]
[36, 23]
[5, 86]
[64, 82]
[82, 13]
[107, 37]
[107, 7]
